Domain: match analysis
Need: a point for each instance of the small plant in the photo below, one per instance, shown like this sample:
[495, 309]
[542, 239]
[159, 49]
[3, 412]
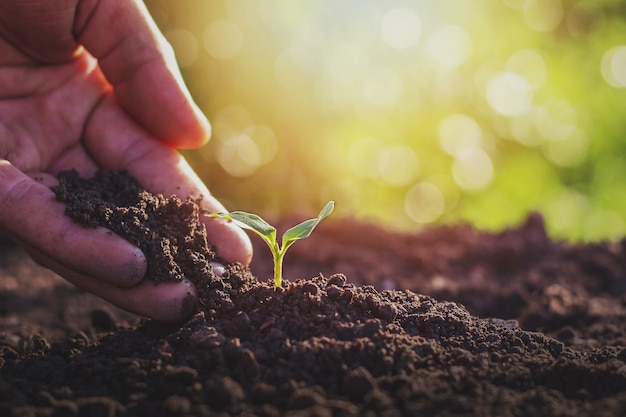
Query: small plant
[268, 233]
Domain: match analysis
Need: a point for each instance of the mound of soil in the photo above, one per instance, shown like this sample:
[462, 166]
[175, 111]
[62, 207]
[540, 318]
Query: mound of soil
[448, 321]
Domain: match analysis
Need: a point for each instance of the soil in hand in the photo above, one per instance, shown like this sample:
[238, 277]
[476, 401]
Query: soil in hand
[376, 328]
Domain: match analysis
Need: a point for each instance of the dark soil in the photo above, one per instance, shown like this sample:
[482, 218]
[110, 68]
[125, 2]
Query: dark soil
[448, 321]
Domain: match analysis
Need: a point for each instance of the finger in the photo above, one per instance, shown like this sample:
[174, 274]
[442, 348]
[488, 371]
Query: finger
[116, 142]
[30, 212]
[140, 64]
[75, 158]
[39, 29]
[166, 302]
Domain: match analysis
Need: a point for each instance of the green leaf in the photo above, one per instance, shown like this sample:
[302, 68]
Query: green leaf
[251, 222]
[304, 229]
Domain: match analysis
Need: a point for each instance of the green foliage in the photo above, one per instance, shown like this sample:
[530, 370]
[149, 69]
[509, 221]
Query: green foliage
[267, 232]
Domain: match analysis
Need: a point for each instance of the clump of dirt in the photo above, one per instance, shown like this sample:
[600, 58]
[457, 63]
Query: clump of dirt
[167, 230]
[338, 343]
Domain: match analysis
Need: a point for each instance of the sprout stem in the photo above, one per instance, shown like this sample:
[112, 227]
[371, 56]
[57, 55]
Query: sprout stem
[278, 269]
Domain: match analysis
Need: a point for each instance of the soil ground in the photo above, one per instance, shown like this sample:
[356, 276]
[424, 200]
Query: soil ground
[448, 321]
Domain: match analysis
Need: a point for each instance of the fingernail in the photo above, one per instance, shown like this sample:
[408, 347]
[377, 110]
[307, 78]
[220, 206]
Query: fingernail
[217, 268]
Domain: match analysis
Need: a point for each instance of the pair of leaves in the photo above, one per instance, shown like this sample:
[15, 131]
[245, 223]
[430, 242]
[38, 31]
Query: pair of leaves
[268, 232]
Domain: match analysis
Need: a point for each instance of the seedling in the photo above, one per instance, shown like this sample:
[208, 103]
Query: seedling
[268, 233]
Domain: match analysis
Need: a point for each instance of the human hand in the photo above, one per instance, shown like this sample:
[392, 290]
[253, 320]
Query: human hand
[89, 84]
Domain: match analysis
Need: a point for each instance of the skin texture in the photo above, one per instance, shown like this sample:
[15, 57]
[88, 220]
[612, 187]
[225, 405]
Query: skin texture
[86, 85]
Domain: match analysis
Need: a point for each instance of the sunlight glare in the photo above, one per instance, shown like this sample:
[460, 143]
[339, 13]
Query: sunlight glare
[449, 46]
[307, 47]
[345, 60]
[401, 28]
[382, 87]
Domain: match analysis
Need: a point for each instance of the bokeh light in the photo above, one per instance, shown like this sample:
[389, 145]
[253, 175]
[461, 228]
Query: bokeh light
[411, 113]
[472, 169]
[543, 15]
[449, 46]
[401, 28]
[529, 64]
[459, 132]
[223, 39]
[424, 203]
[614, 66]
[509, 94]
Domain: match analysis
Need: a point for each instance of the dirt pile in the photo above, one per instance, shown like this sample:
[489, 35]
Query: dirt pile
[541, 332]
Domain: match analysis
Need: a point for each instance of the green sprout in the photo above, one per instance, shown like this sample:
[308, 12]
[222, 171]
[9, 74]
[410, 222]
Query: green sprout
[268, 233]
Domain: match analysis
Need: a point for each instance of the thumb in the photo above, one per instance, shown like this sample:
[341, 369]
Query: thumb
[30, 213]
[140, 65]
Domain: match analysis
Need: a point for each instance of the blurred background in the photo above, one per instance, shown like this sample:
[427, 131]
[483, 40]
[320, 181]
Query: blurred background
[411, 113]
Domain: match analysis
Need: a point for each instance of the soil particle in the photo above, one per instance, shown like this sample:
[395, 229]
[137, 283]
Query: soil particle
[447, 321]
